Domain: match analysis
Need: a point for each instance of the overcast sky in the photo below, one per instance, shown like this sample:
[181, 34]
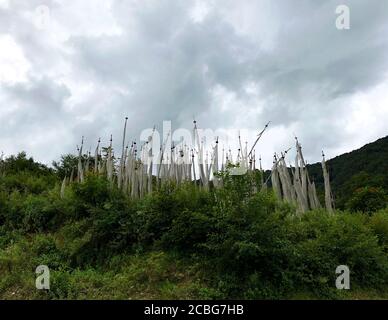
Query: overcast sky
[78, 68]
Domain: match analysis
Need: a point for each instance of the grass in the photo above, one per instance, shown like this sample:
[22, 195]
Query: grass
[152, 275]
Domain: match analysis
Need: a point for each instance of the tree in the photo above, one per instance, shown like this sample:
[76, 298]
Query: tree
[66, 165]
[20, 163]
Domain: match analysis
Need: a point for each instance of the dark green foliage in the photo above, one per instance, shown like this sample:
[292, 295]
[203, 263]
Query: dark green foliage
[240, 243]
[20, 163]
[39, 214]
[167, 215]
[105, 214]
[325, 242]
[67, 164]
[25, 175]
[187, 231]
[379, 225]
[95, 192]
[365, 167]
[368, 199]
[26, 183]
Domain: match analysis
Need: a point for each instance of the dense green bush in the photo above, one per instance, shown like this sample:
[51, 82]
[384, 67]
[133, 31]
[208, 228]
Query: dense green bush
[25, 175]
[326, 242]
[242, 243]
[187, 231]
[379, 225]
[175, 217]
[25, 183]
[104, 214]
[368, 199]
[11, 210]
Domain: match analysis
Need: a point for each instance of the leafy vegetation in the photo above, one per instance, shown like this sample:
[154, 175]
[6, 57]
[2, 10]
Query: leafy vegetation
[181, 241]
[352, 172]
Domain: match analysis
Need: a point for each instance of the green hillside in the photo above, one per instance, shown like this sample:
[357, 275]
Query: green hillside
[364, 167]
[185, 242]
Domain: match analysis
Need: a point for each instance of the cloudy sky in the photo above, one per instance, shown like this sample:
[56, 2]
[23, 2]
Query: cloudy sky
[78, 68]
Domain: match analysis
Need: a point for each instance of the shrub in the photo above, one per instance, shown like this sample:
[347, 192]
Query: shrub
[159, 215]
[379, 225]
[241, 244]
[324, 242]
[40, 213]
[95, 191]
[26, 183]
[11, 211]
[105, 217]
[188, 231]
[368, 199]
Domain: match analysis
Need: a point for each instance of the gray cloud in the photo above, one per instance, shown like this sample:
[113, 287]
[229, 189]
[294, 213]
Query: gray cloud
[241, 64]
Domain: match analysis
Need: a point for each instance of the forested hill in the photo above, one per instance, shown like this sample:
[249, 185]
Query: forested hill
[349, 172]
